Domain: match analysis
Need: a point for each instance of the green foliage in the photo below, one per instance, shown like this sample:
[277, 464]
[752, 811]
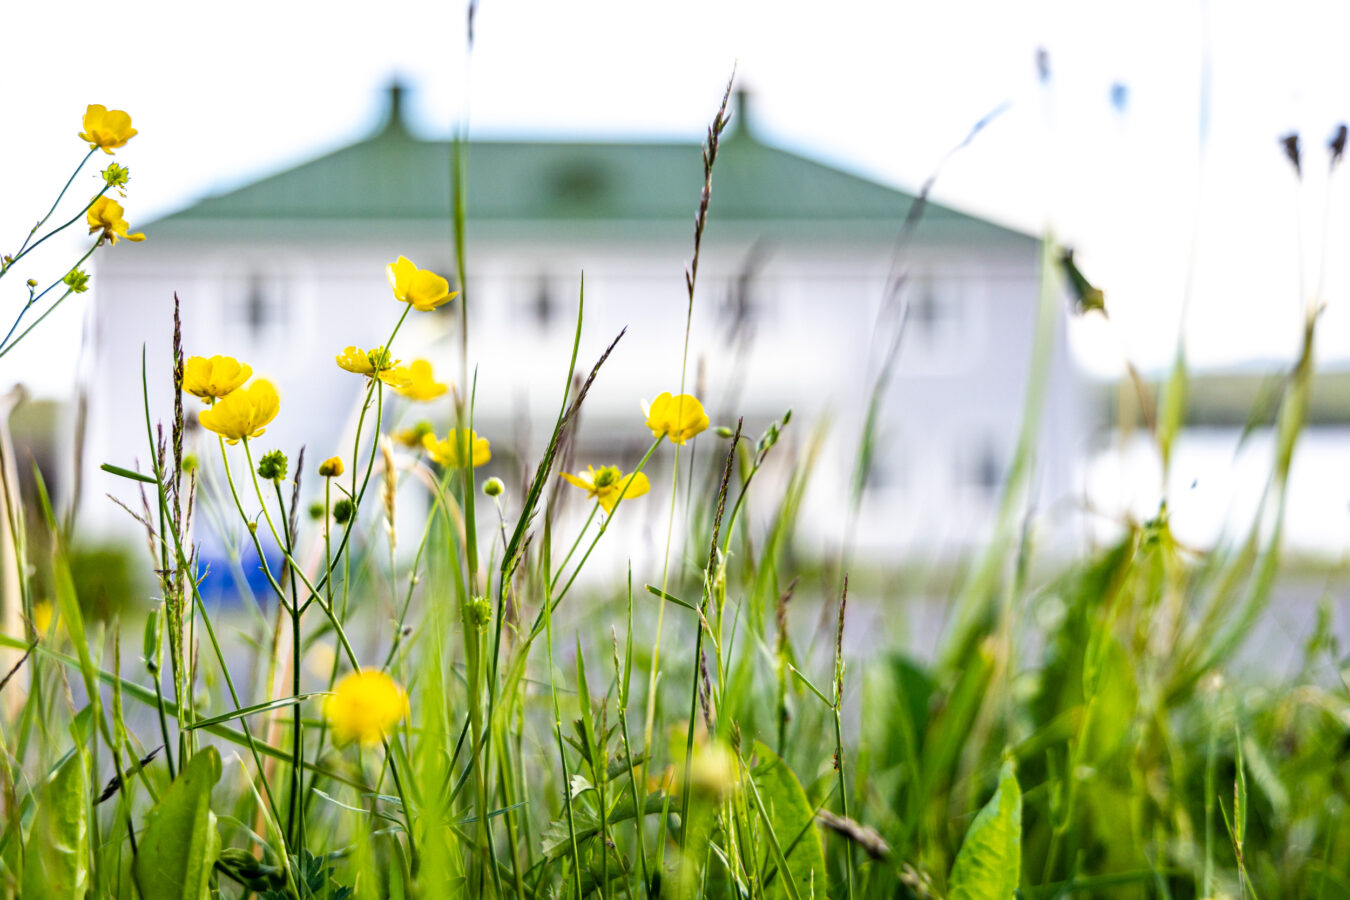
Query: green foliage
[989, 865]
[179, 845]
[56, 854]
[792, 819]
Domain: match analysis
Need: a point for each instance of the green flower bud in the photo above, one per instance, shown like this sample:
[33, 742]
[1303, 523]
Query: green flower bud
[316, 510]
[493, 487]
[480, 611]
[116, 175]
[343, 511]
[272, 467]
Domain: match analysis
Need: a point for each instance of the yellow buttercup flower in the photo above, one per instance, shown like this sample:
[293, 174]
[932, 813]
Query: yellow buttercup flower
[678, 418]
[106, 129]
[416, 381]
[105, 215]
[331, 467]
[214, 377]
[243, 413]
[608, 484]
[365, 362]
[365, 707]
[42, 617]
[446, 452]
[424, 289]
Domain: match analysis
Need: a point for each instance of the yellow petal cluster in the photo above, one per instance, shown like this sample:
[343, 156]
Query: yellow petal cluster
[422, 288]
[244, 413]
[106, 129]
[416, 381]
[679, 417]
[365, 362]
[447, 452]
[331, 467]
[105, 215]
[365, 707]
[214, 377]
[608, 484]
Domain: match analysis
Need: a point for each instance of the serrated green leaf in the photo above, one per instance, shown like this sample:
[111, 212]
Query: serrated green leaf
[989, 866]
[180, 843]
[56, 860]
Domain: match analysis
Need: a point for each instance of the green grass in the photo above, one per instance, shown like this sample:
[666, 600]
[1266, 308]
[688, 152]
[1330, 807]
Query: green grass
[703, 729]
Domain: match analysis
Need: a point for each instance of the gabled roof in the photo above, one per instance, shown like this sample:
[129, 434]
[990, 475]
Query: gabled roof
[394, 176]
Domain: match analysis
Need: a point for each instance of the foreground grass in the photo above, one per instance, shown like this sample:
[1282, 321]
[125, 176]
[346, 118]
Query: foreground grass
[700, 733]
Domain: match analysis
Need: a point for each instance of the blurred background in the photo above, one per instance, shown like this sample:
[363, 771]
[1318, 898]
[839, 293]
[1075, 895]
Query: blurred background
[288, 151]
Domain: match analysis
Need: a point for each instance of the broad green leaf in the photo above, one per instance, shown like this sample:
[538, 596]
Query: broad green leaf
[56, 861]
[557, 841]
[180, 842]
[793, 820]
[989, 865]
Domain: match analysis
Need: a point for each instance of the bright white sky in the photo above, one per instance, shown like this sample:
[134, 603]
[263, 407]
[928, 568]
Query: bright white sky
[224, 94]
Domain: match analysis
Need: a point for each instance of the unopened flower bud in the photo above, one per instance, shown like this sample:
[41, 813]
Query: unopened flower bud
[272, 467]
[493, 487]
[316, 510]
[331, 467]
[343, 511]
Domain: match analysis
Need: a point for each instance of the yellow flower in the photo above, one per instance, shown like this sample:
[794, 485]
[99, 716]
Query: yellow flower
[105, 215]
[366, 707]
[609, 484]
[213, 378]
[415, 381]
[243, 413]
[331, 467]
[42, 617]
[424, 289]
[678, 418]
[365, 362]
[412, 437]
[446, 452]
[106, 128]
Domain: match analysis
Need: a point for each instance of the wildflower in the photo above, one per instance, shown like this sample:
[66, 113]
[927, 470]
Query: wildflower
[678, 418]
[480, 611]
[331, 467]
[32, 282]
[243, 413]
[447, 453]
[77, 280]
[343, 510]
[714, 770]
[608, 484]
[415, 381]
[213, 378]
[105, 215]
[424, 289]
[365, 362]
[493, 487]
[316, 510]
[272, 466]
[116, 176]
[412, 437]
[106, 129]
[366, 707]
[42, 617]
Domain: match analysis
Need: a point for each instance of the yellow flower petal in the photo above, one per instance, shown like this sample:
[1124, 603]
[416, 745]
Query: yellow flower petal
[422, 288]
[678, 417]
[243, 413]
[214, 377]
[365, 707]
[447, 452]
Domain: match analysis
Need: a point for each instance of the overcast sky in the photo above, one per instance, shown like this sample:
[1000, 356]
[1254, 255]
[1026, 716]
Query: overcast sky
[223, 94]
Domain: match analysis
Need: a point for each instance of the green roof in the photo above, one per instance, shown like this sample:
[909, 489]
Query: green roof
[394, 176]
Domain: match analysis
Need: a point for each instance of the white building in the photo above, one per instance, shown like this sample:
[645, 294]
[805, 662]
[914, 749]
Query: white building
[285, 272]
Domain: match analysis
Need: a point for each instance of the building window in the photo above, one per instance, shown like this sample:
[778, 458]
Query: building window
[257, 310]
[544, 306]
[935, 314]
[981, 467]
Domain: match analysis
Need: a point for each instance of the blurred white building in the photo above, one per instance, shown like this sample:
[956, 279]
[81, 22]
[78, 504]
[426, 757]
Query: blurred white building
[285, 272]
